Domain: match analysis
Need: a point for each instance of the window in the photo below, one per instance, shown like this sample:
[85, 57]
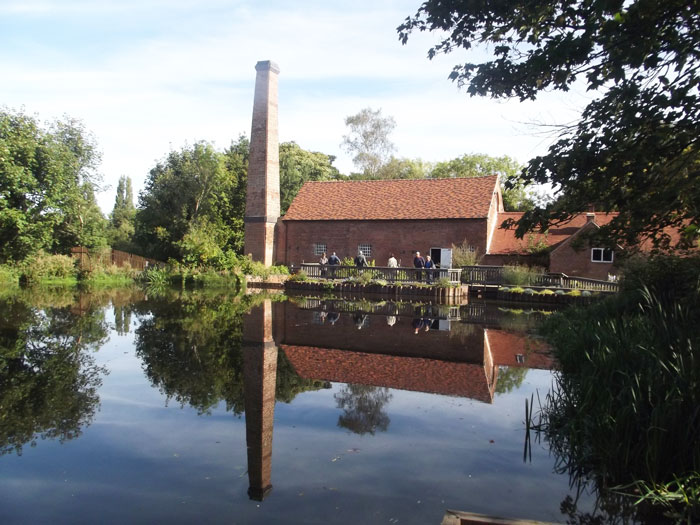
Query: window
[519, 358]
[366, 249]
[601, 255]
[320, 248]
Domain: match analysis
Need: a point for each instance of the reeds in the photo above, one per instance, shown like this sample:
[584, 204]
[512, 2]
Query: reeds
[625, 409]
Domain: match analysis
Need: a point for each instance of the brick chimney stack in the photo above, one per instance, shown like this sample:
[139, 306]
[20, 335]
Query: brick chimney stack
[263, 194]
[590, 217]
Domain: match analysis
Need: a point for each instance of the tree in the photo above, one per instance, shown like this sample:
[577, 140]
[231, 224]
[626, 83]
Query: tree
[123, 214]
[635, 148]
[47, 181]
[404, 169]
[368, 139]
[187, 191]
[515, 195]
[298, 166]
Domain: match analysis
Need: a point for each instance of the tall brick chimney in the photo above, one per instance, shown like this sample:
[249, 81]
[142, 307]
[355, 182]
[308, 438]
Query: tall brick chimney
[259, 380]
[263, 196]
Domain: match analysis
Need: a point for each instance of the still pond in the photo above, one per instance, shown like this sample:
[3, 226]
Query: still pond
[219, 408]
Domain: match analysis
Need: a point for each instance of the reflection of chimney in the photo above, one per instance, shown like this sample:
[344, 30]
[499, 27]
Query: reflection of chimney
[590, 217]
[260, 376]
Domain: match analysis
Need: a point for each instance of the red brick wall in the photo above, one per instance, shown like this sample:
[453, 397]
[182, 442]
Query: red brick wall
[578, 263]
[400, 237]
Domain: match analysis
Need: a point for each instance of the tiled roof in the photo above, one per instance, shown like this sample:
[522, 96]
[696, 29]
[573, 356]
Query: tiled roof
[406, 373]
[505, 242]
[467, 198]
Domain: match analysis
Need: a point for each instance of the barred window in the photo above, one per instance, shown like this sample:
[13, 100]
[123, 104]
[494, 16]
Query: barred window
[604, 255]
[320, 248]
[366, 249]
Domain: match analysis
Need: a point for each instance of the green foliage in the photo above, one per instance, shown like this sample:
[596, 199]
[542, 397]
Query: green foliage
[8, 274]
[47, 182]
[300, 276]
[368, 139]
[44, 267]
[48, 376]
[521, 275]
[635, 147]
[191, 349]
[298, 166]
[363, 408]
[509, 378]
[465, 255]
[624, 409]
[403, 169]
[121, 230]
[515, 197]
[188, 193]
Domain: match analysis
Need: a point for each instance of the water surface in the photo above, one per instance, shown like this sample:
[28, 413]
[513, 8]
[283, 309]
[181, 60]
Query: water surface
[228, 409]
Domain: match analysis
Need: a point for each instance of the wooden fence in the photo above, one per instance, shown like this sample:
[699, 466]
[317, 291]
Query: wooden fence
[390, 275]
[109, 257]
[495, 275]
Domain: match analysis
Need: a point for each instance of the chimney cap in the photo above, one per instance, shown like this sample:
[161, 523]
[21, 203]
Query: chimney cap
[590, 216]
[267, 65]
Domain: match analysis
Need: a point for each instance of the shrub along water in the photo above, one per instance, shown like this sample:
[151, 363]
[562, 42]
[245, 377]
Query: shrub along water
[625, 409]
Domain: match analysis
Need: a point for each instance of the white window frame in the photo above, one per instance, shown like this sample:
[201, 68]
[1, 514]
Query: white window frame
[601, 255]
[366, 249]
[320, 248]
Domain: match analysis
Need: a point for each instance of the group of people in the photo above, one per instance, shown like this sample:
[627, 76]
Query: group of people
[422, 265]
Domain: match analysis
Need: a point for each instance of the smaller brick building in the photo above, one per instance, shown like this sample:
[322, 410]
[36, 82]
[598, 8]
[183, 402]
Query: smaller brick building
[564, 254]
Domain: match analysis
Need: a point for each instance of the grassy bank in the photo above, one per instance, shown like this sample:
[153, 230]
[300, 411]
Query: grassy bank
[62, 270]
[625, 410]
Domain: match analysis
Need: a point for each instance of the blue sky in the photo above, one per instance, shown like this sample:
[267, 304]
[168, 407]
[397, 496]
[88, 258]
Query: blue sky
[148, 76]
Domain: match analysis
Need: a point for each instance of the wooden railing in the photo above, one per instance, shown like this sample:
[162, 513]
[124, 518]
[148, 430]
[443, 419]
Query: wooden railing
[494, 275]
[390, 275]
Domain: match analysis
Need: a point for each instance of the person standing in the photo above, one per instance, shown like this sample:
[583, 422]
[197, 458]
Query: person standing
[360, 260]
[333, 261]
[323, 261]
[392, 262]
[419, 262]
[429, 269]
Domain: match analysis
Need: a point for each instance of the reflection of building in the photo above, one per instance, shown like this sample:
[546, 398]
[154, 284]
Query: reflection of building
[260, 375]
[462, 361]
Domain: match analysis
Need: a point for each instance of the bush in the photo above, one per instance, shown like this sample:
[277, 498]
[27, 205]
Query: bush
[465, 255]
[522, 275]
[46, 267]
[8, 275]
[300, 276]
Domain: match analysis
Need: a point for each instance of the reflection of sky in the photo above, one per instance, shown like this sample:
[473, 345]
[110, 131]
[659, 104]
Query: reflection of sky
[144, 462]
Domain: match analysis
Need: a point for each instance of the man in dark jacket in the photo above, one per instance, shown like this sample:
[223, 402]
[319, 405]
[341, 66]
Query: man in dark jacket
[419, 262]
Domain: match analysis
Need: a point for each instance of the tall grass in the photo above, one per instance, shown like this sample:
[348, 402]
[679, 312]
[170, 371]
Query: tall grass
[625, 409]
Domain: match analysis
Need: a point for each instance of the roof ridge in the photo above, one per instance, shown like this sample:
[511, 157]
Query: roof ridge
[400, 180]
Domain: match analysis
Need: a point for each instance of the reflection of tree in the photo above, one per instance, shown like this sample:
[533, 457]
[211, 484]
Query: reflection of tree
[362, 408]
[48, 379]
[509, 377]
[122, 319]
[191, 350]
